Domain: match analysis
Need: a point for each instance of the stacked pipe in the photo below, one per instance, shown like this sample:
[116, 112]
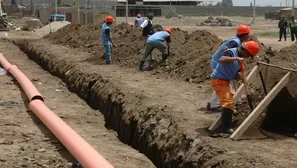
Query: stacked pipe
[86, 155]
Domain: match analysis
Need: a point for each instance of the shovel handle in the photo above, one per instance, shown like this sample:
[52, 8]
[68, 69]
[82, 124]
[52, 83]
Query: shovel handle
[241, 66]
[249, 97]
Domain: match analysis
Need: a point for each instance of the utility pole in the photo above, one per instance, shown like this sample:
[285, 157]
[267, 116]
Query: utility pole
[56, 10]
[293, 7]
[254, 12]
[78, 12]
[126, 11]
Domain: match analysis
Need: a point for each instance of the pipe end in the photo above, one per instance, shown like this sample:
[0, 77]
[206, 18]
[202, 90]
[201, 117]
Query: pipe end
[37, 97]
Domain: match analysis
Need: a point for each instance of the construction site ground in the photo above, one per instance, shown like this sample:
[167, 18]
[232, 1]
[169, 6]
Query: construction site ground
[133, 119]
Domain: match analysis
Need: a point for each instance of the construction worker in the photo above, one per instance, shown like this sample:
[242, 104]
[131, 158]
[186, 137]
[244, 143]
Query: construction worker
[138, 20]
[282, 25]
[106, 38]
[147, 27]
[293, 28]
[228, 69]
[242, 34]
[157, 41]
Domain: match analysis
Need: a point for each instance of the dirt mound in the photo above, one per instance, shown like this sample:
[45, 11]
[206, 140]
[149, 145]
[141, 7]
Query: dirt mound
[286, 57]
[190, 53]
[191, 60]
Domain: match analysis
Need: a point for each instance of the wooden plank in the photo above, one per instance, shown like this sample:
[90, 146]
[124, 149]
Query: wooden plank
[259, 109]
[251, 77]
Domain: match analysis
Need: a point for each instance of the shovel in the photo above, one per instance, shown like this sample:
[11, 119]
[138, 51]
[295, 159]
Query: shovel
[249, 97]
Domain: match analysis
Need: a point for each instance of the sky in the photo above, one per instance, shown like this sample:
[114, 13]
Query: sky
[260, 2]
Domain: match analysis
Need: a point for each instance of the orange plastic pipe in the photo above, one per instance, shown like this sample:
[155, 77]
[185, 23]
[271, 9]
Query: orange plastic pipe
[28, 87]
[87, 156]
[5, 64]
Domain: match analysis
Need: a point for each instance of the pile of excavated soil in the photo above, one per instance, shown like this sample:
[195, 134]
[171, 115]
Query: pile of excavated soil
[190, 52]
[286, 57]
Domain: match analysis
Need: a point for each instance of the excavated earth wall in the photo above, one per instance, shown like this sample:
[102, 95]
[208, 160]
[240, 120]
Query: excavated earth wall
[153, 127]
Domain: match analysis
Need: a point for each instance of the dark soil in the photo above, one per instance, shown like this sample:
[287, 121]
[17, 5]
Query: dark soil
[190, 52]
[139, 120]
[281, 116]
[189, 60]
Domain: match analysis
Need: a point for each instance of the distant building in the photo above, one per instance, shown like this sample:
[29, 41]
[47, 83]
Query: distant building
[166, 2]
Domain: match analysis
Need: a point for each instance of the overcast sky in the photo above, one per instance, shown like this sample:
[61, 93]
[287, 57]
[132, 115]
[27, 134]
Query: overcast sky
[260, 2]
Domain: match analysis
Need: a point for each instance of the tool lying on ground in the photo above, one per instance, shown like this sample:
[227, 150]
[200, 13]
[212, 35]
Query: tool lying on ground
[249, 97]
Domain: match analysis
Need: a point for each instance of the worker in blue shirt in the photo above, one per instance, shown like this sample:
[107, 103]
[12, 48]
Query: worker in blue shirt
[228, 69]
[138, 20]
[106, 38]
[157, 41]
[242, 34]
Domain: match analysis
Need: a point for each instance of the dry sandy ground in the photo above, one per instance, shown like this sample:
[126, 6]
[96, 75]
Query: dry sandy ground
[259, 28]
[26, 142]
[183, 102]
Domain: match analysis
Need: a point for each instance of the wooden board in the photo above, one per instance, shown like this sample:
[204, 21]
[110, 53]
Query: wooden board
[251, 77]
[259, 109]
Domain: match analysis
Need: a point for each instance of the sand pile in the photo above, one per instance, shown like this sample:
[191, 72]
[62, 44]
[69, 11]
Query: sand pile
[52, 27]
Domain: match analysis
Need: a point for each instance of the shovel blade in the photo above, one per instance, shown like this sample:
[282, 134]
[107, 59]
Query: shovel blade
[250, 102]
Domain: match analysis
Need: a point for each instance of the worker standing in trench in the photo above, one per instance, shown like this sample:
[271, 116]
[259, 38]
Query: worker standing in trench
[106, 38]
[242, 34]
[138, 20]
[227, 70]
[157, 41]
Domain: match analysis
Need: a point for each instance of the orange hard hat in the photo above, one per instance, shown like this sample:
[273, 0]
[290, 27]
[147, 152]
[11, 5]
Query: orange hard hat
[109, 19]
[243, 29]
[138, 15]
[252, 47]
[168, 30]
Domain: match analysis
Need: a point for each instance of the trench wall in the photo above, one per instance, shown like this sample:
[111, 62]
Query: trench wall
[144, 127]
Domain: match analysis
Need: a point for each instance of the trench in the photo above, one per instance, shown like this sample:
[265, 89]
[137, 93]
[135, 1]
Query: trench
[145, 128]
[281, 115]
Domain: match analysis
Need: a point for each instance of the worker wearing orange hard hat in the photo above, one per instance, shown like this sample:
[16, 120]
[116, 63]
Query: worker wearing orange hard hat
[106, 38]
[242, 34]
[138, 20]
[157, 40]
[227, 70]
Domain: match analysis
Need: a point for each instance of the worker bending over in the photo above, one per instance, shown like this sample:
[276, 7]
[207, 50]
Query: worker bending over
[228, 69]
[242, 34]
[147, 27]
[105, 38]
[138, 20]
[157, 41]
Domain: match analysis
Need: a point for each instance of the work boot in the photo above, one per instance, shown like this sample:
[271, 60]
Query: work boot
[227, 120]
[141, 65]
[279, 40]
